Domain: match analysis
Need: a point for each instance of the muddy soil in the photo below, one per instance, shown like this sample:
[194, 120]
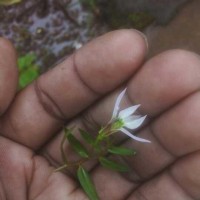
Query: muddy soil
[51, 29]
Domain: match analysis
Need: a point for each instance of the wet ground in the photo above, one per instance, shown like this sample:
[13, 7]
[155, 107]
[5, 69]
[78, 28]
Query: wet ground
[51, 29]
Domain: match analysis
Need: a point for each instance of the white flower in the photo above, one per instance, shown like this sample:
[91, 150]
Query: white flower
[125, 119]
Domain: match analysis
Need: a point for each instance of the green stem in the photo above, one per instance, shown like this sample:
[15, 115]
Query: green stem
[103, 135]
[63, 151]
[61, 167]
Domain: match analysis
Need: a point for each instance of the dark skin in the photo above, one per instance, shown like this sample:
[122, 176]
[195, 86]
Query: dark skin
[167, 87]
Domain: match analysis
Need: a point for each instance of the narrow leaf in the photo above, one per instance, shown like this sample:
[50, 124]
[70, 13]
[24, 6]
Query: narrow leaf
[77, 146]
[87, 137]
[121, 151]
[86, 183]
[113, 165]
[68, 131]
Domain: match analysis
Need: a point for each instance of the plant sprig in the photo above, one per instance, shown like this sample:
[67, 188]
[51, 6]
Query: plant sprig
[100, 148]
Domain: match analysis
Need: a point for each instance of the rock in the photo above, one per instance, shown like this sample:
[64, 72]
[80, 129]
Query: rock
[162, 10]
[182, 32]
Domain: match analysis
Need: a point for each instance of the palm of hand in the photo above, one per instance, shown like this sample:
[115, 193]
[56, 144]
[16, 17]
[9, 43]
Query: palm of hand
[166, 86]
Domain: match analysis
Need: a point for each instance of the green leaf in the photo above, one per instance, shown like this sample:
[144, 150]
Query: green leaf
[28, 69]
[86, 183]
[87, 137]
[113, 165]
[77, 146]
[121, 151]
[26, 61]
[28, 76]
[9, 2]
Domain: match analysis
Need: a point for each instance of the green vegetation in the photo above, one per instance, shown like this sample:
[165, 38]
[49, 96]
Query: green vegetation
[28, 69]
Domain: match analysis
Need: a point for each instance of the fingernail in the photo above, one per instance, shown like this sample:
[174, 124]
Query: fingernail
[144, 36]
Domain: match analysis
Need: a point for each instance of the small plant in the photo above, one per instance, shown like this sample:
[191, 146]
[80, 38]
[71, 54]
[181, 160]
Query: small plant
[100, 147]
[28, 69]
[9, 2]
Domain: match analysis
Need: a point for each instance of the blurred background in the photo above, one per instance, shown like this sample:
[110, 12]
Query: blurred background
[45, 32]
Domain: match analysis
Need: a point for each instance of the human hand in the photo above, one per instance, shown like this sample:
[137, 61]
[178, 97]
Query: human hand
[167, 87]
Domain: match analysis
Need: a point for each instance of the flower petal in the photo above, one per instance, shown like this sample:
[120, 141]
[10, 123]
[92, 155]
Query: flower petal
[131, 118]
[117, 103]
[133, 136]
[128, 111]
[135, 123]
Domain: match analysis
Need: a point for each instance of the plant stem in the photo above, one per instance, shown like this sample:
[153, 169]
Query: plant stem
[62, 150]
[61, 167]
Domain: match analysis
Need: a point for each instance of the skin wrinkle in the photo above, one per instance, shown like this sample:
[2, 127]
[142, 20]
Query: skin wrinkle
[3, 195]
[75, 67]
[168, 110]
[29, 183]
[138, 191]
[141, 196]
[46, 106]
[174, 179]
[42, 190]
[14, 130]
[53, 162]
[161, 143]
[32, 180]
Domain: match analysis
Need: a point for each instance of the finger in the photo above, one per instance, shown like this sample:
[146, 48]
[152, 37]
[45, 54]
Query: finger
[152, 158]
[8, 74]
[186, 174]
[68, 89]
[162, 187]
[181, 181]
[174, 134]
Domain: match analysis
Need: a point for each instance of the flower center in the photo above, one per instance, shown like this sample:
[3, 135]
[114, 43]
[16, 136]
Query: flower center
[117, 124]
